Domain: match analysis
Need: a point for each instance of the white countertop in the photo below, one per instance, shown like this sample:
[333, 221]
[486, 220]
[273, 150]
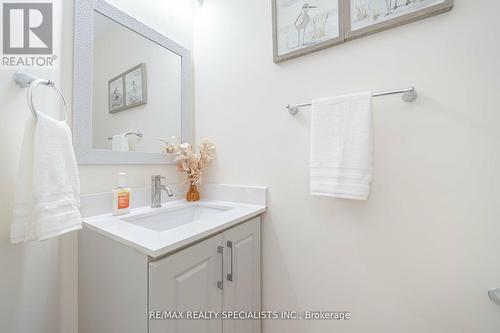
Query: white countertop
[158, 243]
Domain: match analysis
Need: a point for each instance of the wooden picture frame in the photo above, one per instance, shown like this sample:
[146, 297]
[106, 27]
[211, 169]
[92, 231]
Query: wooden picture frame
[322, 42]
[441, 6]
[129, 86]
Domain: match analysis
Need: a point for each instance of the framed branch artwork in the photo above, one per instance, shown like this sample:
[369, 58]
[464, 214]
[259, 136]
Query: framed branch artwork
[301, 27]
[371, 16]
[135, 86]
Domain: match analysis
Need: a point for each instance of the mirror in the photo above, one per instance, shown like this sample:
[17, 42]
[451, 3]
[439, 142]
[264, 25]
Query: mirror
[132, 88]
[136, 90]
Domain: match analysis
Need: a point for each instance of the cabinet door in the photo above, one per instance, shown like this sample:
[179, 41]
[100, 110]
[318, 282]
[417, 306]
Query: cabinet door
[242, 275]
[187, 281]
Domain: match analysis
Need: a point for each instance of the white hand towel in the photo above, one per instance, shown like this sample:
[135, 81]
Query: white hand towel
[120, 142]
[342, 146]
[48, 191]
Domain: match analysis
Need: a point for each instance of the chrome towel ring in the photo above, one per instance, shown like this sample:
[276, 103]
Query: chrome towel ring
[24, 80]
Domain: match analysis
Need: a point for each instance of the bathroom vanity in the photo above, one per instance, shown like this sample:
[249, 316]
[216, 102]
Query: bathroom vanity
[199, 258]
[132, 89]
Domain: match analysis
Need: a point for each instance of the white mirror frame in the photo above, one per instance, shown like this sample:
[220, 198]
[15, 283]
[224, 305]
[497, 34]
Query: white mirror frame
[82, 85]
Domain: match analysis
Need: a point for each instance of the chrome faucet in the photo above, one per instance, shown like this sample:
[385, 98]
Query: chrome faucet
[156, 188]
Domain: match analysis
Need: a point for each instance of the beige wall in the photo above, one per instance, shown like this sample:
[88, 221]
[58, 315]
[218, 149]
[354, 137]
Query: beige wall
[420, 255]
[38, 281]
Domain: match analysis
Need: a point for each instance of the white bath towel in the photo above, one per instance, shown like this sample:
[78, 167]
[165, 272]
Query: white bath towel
[48, 190]
[120, 142]
[342, 146]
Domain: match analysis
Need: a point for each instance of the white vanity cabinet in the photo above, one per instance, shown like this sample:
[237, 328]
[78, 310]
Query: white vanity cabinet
[119, 286]
[187, 281]
[219, 274]
[241, 290]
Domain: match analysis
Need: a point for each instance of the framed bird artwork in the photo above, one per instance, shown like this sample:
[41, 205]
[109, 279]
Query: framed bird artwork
[303, 26]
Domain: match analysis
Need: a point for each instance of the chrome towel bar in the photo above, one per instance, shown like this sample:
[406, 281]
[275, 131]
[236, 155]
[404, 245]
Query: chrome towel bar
[409, 95]
[138, 134]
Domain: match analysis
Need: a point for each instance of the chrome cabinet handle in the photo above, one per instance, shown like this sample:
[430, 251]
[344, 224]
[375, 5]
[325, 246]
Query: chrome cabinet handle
[230, 274]
[220, 283]
[494, 295]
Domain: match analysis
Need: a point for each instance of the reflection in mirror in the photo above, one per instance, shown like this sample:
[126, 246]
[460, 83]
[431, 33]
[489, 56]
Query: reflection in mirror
[137, 90]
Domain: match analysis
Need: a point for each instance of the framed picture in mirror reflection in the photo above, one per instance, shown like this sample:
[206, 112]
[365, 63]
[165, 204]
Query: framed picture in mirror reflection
[116, 94]
[128, 90]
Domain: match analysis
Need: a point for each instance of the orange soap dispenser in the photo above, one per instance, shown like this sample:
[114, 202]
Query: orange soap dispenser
[121, 196]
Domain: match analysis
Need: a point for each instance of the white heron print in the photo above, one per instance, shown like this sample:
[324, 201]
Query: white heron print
[116, 94]
[302, 23]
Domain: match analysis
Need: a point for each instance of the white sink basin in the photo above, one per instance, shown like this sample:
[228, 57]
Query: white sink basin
[165, 219]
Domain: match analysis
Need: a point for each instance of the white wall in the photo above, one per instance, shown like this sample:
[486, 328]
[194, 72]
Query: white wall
[420, 255]
[29, 273]
[38, 281]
